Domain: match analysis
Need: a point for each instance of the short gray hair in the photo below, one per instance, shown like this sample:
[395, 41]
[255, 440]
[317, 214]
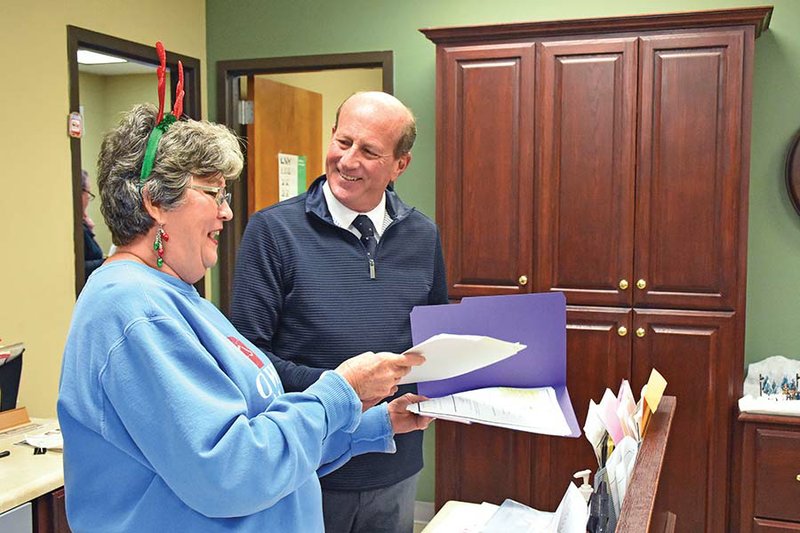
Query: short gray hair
[188, 148]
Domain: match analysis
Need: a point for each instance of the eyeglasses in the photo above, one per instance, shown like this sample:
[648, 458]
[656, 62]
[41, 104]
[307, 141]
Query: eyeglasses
[91, 196]
[219, 194]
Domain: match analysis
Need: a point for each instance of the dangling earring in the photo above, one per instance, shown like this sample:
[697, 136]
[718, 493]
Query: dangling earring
[161, 237]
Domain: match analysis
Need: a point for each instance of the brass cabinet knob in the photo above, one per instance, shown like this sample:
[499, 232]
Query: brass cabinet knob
[622, 331]
[798, 477]
[640, 332]
[523, 280]
[641, 284]
[623, 284]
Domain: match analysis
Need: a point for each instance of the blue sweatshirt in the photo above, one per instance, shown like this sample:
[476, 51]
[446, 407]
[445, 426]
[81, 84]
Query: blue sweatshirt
[173, 421]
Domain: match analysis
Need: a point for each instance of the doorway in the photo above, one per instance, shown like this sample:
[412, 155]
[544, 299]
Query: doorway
[99, 93]
[290, 78]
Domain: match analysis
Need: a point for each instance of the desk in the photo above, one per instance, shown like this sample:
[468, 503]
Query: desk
[27, 477]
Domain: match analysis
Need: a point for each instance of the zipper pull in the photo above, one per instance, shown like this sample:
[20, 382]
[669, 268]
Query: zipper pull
[371, 268]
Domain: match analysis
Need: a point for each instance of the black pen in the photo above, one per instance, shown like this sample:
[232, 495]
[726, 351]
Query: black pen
[4, 453]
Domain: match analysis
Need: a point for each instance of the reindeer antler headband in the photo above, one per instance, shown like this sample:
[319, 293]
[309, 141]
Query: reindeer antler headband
[163, 122]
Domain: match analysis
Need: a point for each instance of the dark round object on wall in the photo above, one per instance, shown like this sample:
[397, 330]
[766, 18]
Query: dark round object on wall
[793, 172]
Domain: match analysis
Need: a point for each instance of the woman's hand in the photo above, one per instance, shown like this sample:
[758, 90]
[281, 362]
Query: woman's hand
[404, 420]
[374, 376]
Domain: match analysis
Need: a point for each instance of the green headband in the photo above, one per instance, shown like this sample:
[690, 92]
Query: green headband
[152, 146]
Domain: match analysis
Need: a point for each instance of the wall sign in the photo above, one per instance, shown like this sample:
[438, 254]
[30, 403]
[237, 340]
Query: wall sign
[75, 125]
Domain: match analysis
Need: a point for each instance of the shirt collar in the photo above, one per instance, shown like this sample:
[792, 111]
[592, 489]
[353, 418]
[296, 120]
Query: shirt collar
[343, 216]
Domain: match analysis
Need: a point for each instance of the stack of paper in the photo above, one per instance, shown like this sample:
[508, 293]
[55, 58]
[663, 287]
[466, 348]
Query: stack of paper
[512, 516]
[615, 428]
[531, 410]
[570, 516]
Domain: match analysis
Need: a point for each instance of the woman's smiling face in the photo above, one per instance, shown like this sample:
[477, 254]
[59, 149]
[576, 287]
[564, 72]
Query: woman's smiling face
[193, 229]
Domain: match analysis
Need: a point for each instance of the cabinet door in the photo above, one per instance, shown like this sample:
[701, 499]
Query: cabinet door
[50, 513]
[585, 138]
[598, 356]
[690, 189]
[694, 351]
[484, 167]
[476, 463]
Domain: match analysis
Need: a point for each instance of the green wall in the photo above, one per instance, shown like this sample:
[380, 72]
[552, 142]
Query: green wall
[253, 29]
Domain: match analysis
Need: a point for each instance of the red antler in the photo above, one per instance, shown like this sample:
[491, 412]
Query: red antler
[177, 109]
[161, 73]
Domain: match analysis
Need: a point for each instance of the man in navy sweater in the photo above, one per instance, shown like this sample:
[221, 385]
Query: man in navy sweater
[336, 271]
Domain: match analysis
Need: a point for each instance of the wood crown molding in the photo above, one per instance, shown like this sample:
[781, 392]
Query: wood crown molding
[758, 17]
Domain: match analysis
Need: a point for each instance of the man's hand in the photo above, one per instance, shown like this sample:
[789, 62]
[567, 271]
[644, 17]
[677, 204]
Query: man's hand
[404, 420]
[374, 376]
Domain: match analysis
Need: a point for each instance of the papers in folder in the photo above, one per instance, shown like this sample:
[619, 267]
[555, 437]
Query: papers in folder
[538, 323]
[531, 410]
[447, 355]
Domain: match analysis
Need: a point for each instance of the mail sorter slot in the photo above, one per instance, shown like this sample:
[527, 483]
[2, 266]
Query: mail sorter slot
[777, 468]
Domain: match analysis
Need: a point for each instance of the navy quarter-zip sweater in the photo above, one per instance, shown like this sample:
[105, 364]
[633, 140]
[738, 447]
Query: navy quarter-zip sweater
[303, 293]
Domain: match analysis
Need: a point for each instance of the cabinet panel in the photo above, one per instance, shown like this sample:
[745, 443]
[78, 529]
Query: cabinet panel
[690, 156]
[482, 463]
[50, 514]
[777, 475]
[585, 135]
[692, 351]
[484, 166]
[598, 356]
[769, 473]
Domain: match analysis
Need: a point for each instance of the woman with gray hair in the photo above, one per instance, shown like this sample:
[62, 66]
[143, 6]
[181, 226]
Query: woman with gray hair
[172, 420]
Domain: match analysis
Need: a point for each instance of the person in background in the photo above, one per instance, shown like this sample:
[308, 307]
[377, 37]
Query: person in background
[338, 269]
[92, 253]
[172, 420]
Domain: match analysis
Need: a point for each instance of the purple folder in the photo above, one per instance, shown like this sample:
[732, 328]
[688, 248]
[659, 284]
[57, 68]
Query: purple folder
[537, 320]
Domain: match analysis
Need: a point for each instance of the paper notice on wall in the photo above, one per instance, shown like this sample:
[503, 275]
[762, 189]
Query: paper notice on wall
[291, 175]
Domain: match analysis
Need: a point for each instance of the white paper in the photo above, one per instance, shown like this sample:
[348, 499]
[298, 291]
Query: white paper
[571, 516]
[531, 410]
[52, 440]
[515, 516]
[620, 469]
[464, 518]
[572, 513]
[448, 355]
[595, 430]
[287, 176]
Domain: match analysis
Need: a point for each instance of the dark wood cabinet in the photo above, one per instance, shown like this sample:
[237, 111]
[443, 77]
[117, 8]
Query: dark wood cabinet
[487, 128]
[50, 513]
[584, 188]
[607, 159]
[770, 473]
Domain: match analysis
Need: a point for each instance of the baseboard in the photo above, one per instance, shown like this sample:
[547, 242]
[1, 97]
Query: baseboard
[423, 513]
